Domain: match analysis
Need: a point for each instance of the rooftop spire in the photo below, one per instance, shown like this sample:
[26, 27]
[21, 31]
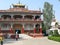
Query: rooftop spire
[19, 5]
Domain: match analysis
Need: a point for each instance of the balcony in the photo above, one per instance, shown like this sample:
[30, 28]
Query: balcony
[19, 20]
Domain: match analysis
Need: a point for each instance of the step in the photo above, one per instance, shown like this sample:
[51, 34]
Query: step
[36, 35]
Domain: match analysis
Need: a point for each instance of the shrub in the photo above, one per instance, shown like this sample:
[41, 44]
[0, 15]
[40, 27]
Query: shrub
[54, 38]
[51, 32]
[55, 33]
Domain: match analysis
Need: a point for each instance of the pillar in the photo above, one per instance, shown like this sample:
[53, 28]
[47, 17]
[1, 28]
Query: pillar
[40, 18]
[0, 17]
[34, 17]
[23, 16]
[11, 29]
[12, 17]
[0, 29]
[22, 29]
[34, 29]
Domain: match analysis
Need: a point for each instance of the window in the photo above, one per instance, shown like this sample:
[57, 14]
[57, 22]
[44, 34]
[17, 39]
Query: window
[5, 25]
[28, 27]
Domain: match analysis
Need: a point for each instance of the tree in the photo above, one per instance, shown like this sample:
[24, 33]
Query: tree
[56, 24]
[47, 15]
[43, 28]
[55, 33]
[59, 0]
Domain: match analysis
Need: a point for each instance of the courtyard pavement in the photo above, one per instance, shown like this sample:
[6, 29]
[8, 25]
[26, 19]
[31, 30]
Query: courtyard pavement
[35, 41]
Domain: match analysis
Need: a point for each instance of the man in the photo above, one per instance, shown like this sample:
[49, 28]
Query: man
[16, 35]
[1, 40]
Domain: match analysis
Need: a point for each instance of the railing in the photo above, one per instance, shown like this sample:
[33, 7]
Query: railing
[19, 19]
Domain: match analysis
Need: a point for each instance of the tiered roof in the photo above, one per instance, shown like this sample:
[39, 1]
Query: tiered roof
[20, 8]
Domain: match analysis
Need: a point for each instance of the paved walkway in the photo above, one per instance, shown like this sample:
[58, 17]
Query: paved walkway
[36, 41]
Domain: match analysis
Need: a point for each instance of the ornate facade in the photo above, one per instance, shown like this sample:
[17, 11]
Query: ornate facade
[20, 18]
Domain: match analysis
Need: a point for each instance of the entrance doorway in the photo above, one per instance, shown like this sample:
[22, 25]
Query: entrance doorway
[18, 31]
[17, 28]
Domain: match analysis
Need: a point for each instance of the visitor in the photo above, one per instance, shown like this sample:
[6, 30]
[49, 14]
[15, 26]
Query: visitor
[1, 42]
[16, 36]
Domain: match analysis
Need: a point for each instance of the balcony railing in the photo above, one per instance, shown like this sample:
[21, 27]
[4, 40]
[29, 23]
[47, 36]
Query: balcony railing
[19, 19]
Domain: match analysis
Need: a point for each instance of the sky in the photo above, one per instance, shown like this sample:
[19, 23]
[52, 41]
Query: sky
[33, 5]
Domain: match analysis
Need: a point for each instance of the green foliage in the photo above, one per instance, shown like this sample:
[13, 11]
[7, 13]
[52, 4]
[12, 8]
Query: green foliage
[54, 38]
[55, 33]
[47, 14]
[51, 32]
[56, 24]
[43, 27]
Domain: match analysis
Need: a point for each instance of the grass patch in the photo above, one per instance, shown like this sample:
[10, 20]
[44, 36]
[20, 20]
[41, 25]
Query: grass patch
[55, 38]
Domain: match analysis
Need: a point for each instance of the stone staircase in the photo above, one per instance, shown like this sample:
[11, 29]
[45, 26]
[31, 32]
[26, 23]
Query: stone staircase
[25, 36]
[36, 35]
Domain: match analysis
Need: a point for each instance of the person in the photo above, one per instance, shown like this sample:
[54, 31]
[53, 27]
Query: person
[16, 36]
[1, 40]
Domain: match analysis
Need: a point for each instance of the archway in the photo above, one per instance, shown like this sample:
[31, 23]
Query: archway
[17, 17]
[29, 28]
[17, 27]
[6, 16]
[37, 17]
[28, 17]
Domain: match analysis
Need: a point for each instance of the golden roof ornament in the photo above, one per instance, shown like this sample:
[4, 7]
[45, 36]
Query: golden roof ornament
[18, 4]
